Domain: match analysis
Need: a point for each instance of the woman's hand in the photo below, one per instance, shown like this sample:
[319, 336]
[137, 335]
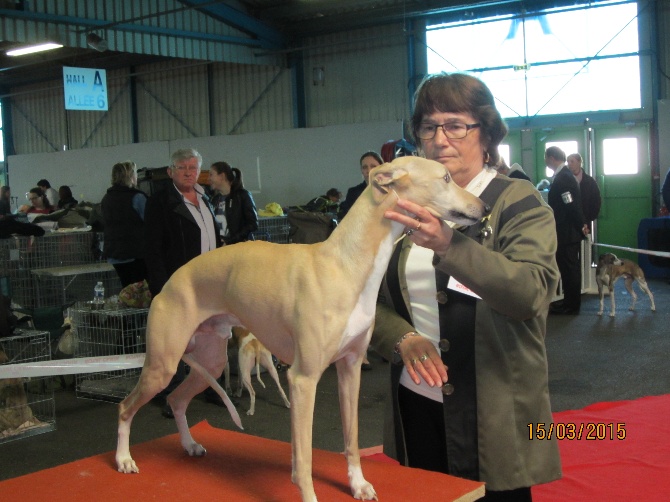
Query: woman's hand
[423, 228]
[421, 358]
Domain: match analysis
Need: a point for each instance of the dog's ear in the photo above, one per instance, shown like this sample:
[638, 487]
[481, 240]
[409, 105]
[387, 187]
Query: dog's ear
[382, 179]
[387, 174]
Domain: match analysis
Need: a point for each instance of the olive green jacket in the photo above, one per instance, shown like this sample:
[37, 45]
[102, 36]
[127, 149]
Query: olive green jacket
[514, 271]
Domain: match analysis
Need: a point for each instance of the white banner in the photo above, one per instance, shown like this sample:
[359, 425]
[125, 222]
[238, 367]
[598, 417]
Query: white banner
[72, 366]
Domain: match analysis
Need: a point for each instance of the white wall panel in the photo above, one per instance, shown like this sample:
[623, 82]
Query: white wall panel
[289, 167]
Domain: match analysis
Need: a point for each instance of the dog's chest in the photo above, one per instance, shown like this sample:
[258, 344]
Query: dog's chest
[363, 313]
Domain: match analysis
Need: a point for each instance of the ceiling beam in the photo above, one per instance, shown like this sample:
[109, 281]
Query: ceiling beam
[269, 37]
[93, 24]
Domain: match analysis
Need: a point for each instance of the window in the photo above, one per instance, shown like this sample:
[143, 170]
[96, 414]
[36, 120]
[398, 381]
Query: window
[503, 151]
[620, 156]
[562, 60]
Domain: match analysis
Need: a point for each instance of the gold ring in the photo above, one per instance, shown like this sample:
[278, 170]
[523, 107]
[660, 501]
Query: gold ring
[423, 357]
[418, 227]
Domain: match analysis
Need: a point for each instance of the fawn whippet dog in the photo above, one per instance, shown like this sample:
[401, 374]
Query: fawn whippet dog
[609, 270]
[278, 292]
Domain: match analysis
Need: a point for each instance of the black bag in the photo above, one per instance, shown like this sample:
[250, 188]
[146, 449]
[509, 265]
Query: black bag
[310, 227]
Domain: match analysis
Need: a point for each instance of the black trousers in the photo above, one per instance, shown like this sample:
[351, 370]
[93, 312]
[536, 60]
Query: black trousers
[570, 267]
[425, 441]
[131, 272]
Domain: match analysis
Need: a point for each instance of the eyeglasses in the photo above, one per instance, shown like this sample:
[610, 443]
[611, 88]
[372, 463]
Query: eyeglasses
[452, 130]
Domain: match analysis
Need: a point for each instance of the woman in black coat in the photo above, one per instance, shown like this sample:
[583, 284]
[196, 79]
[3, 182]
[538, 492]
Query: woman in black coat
[233, 204]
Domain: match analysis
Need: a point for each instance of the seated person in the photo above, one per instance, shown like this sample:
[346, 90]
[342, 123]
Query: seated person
[39, 204]
[65, 198]
[328, 203]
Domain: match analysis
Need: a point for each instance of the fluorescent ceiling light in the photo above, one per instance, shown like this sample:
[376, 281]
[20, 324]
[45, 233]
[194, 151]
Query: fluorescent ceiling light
[34, 48]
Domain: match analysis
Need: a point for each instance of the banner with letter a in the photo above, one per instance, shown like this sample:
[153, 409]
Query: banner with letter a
[85, 88]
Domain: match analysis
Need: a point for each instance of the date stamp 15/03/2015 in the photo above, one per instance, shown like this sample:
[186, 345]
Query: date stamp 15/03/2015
[573, 430]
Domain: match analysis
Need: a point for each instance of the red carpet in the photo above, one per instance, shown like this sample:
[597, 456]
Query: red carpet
[238, 467]
[630, 469]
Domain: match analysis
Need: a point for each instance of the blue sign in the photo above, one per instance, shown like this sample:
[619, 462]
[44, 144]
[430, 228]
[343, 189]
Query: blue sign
[85, 88]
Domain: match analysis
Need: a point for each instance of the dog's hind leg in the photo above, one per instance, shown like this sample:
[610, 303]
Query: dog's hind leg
[266, 360]
[645, 287]
[246, 363]
[628, 281]
[349, 382]
[155, 376]
[209, 356]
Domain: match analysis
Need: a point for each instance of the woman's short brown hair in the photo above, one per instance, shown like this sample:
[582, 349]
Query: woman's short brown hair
[460, 93]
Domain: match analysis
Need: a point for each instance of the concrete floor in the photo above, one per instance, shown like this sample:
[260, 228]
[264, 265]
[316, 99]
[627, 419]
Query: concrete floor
[591, 359]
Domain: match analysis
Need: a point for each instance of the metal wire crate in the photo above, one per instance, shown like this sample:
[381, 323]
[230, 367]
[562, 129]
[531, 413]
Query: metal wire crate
[27, 405]
[20, 255]
[111, 331]
[272, 229]
[64, 285]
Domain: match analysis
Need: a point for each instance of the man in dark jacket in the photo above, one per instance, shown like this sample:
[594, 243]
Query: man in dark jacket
[180, 225]
[179, 221]
[565, 200]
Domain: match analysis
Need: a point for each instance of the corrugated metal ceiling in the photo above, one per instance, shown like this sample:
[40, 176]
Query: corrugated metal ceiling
[208, 30]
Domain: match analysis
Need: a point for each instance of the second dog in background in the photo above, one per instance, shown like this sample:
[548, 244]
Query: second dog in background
[610, 269]
[252, 353]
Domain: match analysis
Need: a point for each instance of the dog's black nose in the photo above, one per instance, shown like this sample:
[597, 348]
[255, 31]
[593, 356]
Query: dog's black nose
[487, 209]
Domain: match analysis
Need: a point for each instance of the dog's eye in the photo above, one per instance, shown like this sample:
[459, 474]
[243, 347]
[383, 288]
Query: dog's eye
[447, 177]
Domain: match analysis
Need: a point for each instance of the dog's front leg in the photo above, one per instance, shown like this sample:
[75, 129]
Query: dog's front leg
[601, 295]
[349, 383]
[302, 392]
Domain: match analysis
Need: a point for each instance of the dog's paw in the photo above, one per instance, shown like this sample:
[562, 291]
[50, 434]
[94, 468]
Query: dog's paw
[195, 450]
[361, 489]
[127, 465]
[250, 412]
[600, 313]
[612, 314]
[365, 492]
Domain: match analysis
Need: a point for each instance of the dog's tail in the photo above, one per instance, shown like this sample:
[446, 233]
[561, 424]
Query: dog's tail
[215, 385]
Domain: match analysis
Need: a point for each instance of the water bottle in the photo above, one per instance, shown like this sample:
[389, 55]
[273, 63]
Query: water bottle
[99, 293]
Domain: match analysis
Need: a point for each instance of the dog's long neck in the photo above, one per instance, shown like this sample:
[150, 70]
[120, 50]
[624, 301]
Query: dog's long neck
[363, 241]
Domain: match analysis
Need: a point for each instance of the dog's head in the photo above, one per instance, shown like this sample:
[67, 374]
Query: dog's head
[608, 259]
[428, 184]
